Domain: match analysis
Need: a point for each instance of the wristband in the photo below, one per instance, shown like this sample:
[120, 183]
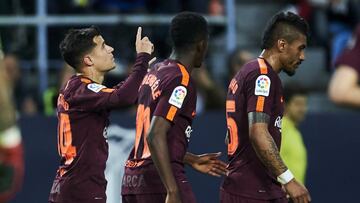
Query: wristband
[285, 177]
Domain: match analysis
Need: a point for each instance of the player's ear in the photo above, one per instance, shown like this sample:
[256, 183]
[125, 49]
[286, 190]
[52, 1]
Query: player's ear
[88, 61]
[281, 45]
[201, 46]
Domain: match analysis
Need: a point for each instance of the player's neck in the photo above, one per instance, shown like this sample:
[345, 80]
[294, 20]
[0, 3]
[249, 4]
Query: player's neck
[272, 58]
[93, 75]
[184, 59]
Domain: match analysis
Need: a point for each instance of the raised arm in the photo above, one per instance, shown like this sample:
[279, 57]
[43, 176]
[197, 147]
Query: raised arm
[100, 97]
[126, 93]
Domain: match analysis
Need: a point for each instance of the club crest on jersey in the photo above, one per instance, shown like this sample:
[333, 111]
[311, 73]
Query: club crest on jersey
[262, 85]
[95, 87]
[178, 96]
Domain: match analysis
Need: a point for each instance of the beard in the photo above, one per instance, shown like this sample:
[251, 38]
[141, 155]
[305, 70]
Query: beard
[198, 64]
[289, 72]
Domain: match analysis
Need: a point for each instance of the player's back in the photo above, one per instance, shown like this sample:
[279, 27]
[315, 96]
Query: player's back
[166, 91]
[255, 88]
[81, 142]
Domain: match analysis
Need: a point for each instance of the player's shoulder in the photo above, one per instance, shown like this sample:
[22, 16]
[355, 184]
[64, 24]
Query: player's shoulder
[76, 82]
[169, 67]
[70, 85]
[255, 68]
[173, 72]
[80, 86]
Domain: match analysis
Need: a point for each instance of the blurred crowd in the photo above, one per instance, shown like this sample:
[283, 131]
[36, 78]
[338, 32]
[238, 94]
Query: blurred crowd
[332, 26]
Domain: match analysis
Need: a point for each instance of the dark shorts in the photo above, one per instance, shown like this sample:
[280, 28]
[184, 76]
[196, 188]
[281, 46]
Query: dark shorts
[63, 191]
[226, 197]
[83, 201]
[140, 198]
[187, 196]
[155, 198]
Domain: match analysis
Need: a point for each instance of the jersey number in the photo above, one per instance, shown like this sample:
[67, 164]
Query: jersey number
[65, 147]
[233, 136]
[233, 141]
[142, 129]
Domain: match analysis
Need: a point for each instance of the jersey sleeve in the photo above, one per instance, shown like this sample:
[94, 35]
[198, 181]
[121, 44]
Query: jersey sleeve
[260, 92]
[349, 58]
[93, 96]
[173, 100]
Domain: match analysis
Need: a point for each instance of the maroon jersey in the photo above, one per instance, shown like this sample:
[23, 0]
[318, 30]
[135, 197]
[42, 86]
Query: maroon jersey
[83, 111]
[350, 56]
[169, 92]
[255, 88]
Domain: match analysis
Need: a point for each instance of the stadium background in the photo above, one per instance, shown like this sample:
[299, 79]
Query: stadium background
[32, 29]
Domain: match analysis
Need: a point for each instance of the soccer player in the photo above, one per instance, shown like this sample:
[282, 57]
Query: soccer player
[83, 111]
[254, 110]
[155, 170]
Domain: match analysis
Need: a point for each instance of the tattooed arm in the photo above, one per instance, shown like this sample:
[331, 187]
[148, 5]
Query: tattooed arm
[267, 151]
[263, 143]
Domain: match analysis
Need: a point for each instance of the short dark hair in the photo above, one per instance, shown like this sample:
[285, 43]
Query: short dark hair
[77, 43]
[291, 90]
[188, 28]
[284, 25]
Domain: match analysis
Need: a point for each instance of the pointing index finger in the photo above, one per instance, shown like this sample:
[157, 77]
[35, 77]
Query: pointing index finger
[138, 35]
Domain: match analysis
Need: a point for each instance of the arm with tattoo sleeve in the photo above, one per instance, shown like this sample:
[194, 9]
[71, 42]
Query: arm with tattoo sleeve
[267, 151]
[263, 143]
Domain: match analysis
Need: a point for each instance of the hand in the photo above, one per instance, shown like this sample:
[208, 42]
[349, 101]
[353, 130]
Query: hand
[144, 44]
[210, 164]
[298, 193]
[173, 197]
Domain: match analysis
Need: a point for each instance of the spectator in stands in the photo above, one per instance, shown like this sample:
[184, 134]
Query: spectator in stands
[293, 150]
[342, 18]
[119, 6]
[11, 152]
[210, 95]
[236, 60]
[51, 94]
[23, 96]
[344, 88]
